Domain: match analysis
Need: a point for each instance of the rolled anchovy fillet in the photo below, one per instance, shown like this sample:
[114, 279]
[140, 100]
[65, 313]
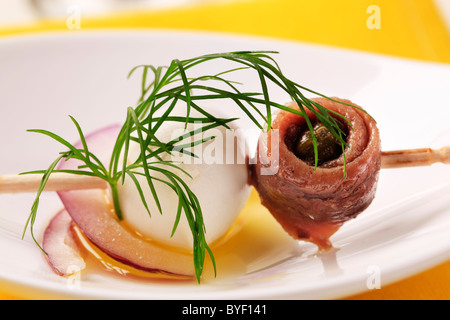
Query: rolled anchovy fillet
[312, 203]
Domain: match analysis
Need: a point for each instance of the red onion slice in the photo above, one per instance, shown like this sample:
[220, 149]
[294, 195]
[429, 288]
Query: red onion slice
[93, 212]
[63, 252]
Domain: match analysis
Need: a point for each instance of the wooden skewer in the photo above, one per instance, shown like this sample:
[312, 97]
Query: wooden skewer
[414, 157]
[65, 181]
[57, 182]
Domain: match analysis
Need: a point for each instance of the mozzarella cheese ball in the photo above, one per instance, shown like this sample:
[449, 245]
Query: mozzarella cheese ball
[218, 178]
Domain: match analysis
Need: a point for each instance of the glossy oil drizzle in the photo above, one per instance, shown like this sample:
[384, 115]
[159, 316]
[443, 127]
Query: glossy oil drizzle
[254, 242]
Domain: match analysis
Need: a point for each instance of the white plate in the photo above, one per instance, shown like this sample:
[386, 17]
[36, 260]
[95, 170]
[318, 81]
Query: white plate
[45, 78]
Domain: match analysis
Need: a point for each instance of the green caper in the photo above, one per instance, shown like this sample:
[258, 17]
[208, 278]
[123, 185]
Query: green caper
[328, 146]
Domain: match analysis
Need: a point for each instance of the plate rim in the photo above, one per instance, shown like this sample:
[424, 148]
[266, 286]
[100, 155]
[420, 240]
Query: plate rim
[396, 275]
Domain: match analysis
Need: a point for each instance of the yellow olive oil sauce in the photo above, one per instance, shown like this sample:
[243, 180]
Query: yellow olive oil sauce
[254, 242]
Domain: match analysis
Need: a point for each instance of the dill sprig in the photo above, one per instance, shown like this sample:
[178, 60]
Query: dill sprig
[169, 86]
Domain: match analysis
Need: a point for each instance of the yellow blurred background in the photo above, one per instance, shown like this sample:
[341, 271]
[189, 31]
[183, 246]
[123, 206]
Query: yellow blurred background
[414, 29]
[408, 28]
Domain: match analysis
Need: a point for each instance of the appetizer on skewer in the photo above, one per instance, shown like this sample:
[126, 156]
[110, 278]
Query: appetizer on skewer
[134, 159]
